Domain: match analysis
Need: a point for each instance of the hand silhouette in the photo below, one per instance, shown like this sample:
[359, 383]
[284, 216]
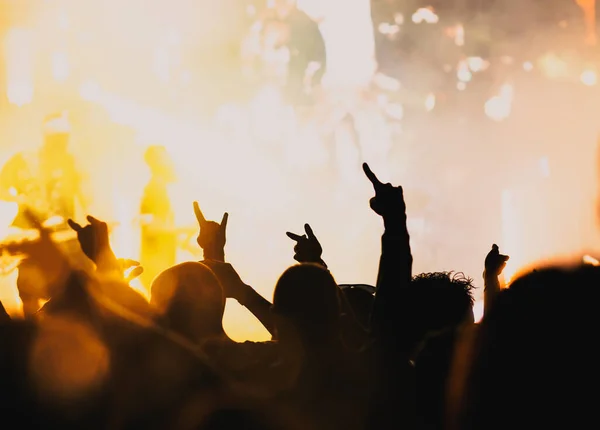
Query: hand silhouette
[212, 236]
[44, 252]
[127, 264]
[307, 248]
[93, 238]
[389, 200]
[495, 262]
[232, 284]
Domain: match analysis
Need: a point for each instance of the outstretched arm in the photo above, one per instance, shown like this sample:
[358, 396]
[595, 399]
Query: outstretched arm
[235, 288]
[395, 264]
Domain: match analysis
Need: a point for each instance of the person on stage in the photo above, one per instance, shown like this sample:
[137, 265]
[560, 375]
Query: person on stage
[47, 185]
[46, 182]
[159, 236]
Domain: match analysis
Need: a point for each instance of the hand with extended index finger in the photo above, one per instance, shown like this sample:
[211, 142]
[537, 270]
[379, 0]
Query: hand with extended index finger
[307, 248]
[212, 236]
[389, 200]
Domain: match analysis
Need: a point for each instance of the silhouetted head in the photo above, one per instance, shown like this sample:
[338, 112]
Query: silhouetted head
[535, 354]
[190, 300]
[306, 301]
[435, 302]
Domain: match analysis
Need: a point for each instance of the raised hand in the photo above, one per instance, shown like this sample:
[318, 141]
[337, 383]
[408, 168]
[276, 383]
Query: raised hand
[212, 236]
[42, 252]
[495, 262]
[93, 238]
[307, 248]
[389, 200]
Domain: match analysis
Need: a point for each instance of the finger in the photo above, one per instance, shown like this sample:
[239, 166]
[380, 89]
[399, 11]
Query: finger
[74, 225]
[224, 221]
[293, 236]
[94, 221]
[199, 215]
[128, 263]
[135, 273]
[309, 232]
[495, 247]
[376, 182]
[504, 258]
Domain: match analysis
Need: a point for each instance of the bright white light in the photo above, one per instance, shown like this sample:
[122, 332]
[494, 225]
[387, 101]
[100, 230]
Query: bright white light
[386, 82]
[388, 29]
[589, 78]
[430, 102]
[90, 91]
[60, 66]
[395, 110]
[425, 14]
[545, 167]
[476, 64]
[498, 108]
[463, 73]
[527, 66]
[459, 35]
[19, 66]
[588, 259]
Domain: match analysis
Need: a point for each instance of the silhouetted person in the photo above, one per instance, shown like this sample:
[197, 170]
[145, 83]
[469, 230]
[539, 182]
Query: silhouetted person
[303, 38]
[329, 387]
[534, 361]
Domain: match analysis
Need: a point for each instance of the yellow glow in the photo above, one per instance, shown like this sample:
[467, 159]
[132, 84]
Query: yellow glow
[19, 66]
[554, 66]
[588, 259]
[252, 158]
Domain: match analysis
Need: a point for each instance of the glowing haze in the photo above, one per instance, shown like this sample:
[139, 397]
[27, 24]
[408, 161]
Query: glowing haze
[269, 168]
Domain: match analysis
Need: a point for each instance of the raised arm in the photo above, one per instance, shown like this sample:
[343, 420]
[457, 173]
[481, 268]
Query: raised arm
[395, 264]
[235, 288]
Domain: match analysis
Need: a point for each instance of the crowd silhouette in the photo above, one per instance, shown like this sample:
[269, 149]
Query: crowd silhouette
[406, 354]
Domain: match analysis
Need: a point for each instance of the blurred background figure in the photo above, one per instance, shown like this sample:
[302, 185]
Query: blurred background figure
[158, 235]
[289, 29]
[47, 182]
